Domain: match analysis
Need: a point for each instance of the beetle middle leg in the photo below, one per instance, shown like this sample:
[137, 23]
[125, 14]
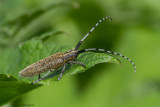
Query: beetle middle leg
[76, 62]
[64, 66]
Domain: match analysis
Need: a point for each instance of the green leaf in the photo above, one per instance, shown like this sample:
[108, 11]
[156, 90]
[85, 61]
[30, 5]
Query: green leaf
[35, 50]
[28, 25]
[32, 51]
[13, 89]
[29, 16]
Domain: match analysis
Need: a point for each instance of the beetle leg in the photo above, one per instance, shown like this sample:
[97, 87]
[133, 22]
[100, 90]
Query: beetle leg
[42, 77]
[39, 76]
[64, 66]
[76, 62]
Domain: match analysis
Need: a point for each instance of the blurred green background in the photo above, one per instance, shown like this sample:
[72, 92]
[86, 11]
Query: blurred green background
[134, 32]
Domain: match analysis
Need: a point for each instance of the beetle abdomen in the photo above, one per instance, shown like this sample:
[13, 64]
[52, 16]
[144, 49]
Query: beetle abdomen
[51, 62]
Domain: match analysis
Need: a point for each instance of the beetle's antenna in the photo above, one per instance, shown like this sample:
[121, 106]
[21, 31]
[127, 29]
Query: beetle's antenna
[95, 49]
[80, 42]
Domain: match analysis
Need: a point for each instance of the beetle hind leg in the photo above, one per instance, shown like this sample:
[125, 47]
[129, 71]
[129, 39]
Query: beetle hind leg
[39, 76]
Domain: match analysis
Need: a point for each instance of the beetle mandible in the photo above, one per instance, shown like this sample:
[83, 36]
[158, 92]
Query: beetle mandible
[60, 59]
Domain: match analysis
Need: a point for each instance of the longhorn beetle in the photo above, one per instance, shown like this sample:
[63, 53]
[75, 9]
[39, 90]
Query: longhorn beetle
[60, 59]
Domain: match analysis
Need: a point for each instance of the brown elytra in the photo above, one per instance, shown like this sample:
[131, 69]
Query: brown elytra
[52, 62]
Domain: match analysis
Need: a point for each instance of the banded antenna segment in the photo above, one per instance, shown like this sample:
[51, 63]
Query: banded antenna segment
[80, 42]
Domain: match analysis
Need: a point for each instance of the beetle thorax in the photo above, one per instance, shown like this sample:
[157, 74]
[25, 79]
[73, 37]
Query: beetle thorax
[70, 55]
